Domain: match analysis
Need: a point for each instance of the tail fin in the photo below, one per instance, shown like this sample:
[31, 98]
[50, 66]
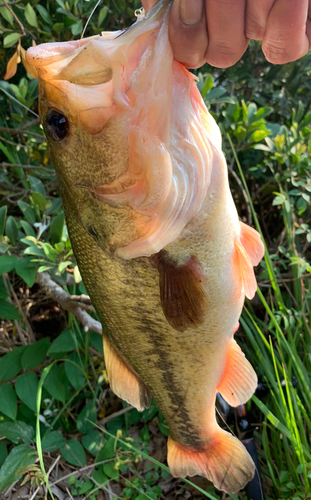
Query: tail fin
[223, 460]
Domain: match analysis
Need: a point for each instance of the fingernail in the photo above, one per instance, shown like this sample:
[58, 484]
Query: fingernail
[191, 11]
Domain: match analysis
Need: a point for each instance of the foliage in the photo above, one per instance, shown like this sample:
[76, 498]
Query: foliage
[265, 116]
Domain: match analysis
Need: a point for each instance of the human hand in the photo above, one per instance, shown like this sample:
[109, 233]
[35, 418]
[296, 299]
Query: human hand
[218, 31]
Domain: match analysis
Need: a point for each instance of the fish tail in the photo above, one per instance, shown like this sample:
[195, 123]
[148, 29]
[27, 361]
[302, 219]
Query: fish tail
[222, 460]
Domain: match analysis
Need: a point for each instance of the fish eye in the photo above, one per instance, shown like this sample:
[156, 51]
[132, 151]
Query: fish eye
[56, 125]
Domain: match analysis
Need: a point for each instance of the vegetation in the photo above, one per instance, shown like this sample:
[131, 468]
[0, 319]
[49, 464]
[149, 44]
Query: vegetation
[62, 430]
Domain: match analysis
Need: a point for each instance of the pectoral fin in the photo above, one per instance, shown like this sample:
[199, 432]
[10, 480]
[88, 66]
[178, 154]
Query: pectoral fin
[183, 296]
[124, 381]
[239, 380]
[249, 251]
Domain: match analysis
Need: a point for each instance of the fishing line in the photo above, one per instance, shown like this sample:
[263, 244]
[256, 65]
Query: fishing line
[231, 432]
[18, 102]
[90, 16]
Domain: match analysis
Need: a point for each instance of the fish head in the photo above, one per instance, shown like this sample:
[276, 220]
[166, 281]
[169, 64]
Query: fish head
[128, 134]
[84, 110]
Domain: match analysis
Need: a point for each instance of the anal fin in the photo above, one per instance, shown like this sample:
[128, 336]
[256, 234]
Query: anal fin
[239, 380]
[124, 381]
[223, 460]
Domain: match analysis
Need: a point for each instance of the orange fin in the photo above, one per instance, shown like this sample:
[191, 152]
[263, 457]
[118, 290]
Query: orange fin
[223, 460]
[252, 243]
[249, 251]
[124, 382]
[244, 269]
[239, 380]
[183, 298]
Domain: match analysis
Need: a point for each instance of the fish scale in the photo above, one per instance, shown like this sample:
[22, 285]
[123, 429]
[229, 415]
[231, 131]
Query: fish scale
[155, 232]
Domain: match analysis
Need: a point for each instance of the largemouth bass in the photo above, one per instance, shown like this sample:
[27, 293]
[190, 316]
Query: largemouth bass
[155, 232]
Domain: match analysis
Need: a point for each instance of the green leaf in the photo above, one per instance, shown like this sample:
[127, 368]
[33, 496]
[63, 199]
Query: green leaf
[54, 383]
[87, 418]
[240, 133]
[17, 431]
[74, 453]
[74, 374]
[26, 387]
[8, 401]
[39, 200]
[10, 364]
[49, 251]
[7, 263]
[11, 229]
[110, 471]
[34, 354]
[36, 185]
[53, 441]
[24, 268]
[57, 228]
[77, 28]
[214, 93]
[207, 85]
[258, 135]
[31, 16]
[55, 207]
[3, 452]
[7, 15]
[29, 231]
[102, 15]
[108, 451]
[97, 342]
[10, 40]
[8, 311]
[19, 457]
[99, 476]
[93, 441]
[34, 250]
[44, 14]
[3, 212]
[27, 211]
[65, 342]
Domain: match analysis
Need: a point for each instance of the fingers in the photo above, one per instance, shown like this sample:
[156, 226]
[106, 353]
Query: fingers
[188, 32]
[225, 25]
[256, 17]
[285, 37]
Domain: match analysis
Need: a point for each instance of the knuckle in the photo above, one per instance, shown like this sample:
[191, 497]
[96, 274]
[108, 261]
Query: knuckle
[254, 30]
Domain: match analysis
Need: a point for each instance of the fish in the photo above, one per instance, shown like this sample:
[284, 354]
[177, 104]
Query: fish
[155, 232]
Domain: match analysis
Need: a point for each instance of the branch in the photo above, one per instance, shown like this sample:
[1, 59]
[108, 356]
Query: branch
[66, 302]
[15, 131]
[27, 167]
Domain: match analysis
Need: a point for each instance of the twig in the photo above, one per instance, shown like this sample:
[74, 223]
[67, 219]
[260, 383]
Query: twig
[15, 17]
[64, 299]
[104, 420]
[20, 310]
[15, 131]
[82, 469]
[27, 167]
